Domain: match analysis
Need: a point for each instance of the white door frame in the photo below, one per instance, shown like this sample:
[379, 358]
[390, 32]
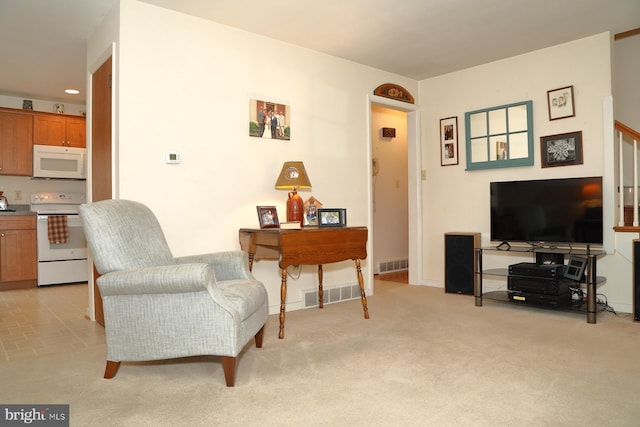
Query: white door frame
[414, 160]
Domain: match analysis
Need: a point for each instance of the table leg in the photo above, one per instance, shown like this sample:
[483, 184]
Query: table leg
[362, 294]
[252, 249]
[320, 291]
[251, 255]
[283, 298]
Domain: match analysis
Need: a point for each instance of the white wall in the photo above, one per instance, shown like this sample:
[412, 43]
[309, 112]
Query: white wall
[458, 200]
[390, 186]
[626, 77]
[167, 60]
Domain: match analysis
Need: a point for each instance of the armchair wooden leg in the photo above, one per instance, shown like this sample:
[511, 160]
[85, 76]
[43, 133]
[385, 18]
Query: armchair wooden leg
[259, 336]
[111, 369]
[229, 367]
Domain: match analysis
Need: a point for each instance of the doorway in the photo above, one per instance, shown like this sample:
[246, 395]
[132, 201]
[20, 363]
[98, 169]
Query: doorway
[414, 175]
[390, 193]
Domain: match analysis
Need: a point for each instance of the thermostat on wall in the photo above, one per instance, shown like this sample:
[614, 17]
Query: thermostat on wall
[172, 157]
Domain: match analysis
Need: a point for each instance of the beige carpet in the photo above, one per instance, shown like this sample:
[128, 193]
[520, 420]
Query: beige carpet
[425, 358]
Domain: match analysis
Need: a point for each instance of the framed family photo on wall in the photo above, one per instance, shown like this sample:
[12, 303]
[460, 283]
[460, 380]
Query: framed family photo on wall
[561, 103]
[269, 120]
[561, 150]
[449, 141]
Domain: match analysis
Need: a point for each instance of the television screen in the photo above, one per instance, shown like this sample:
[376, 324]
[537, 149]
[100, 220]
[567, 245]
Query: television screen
[550, 210]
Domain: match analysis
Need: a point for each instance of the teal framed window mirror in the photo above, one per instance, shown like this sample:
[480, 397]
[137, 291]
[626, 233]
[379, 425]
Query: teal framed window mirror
[500, 137]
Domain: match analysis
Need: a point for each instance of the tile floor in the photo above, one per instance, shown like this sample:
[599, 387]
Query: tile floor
[45, 320]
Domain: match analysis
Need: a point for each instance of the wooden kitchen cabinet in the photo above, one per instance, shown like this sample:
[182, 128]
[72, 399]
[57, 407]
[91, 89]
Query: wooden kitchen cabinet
[77, 132]
[59, 130]
[16, 143]
[18, 252]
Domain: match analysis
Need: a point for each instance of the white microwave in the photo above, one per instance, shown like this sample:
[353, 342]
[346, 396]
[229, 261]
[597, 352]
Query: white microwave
[50, 161]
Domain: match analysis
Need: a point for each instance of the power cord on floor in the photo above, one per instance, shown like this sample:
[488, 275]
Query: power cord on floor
[601, 301]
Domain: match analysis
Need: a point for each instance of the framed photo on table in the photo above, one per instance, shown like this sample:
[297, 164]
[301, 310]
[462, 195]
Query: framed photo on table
[449, 141]
[268, 217]
[332, 217]
[560, 103]
[310, 207]
[561, 150]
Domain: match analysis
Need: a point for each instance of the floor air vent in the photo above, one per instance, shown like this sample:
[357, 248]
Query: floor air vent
[331, 295]
[391, 266]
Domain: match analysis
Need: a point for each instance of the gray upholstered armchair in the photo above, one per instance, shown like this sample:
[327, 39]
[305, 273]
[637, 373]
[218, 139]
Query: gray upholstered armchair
[157, 306]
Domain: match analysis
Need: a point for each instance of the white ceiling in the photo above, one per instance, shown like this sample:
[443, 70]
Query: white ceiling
[43, 41]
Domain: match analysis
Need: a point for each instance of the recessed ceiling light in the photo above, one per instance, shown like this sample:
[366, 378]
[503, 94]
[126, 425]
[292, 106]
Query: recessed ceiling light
[72, 91]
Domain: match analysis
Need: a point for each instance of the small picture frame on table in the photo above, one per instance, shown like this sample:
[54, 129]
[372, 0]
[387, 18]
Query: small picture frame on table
[449, 141]
[311, 206]
[560, 103]
[332, 217]
[564, 149]
[268, 217]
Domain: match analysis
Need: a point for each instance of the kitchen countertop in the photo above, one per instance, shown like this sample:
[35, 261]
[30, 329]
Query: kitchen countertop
[19, 210]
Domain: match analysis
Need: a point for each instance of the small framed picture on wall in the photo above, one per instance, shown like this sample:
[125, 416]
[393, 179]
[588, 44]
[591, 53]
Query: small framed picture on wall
[449, 141]
[561, 103]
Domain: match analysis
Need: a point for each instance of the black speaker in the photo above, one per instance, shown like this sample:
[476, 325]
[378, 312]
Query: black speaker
[636, 280]
[460, 262]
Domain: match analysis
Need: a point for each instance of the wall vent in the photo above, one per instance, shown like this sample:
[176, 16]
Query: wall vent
[392, 266]
[331, 295]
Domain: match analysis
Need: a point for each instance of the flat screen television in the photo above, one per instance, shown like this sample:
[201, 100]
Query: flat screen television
[547, 211]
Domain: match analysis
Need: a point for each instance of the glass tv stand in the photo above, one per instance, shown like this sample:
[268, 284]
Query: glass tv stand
[591, 279]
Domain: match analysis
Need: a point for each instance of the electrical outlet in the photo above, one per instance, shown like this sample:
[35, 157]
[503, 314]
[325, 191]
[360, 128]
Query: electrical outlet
[18, 195]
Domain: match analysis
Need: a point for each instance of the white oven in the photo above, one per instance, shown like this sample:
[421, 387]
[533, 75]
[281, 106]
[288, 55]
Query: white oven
[60, 261]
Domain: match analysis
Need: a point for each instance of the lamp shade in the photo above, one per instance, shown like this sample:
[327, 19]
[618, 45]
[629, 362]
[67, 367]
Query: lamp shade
[293, 177]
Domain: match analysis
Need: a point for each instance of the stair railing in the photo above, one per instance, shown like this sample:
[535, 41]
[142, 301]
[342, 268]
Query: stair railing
[624, 130]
